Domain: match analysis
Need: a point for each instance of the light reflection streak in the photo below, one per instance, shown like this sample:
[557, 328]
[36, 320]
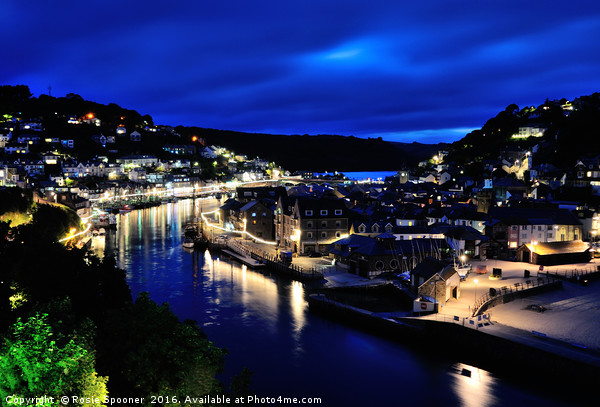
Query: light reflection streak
[298, 306]
[473, 386]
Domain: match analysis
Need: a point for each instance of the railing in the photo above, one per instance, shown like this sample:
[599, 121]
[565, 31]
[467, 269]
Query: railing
[505, 294]
[572, 274]
[474, 322]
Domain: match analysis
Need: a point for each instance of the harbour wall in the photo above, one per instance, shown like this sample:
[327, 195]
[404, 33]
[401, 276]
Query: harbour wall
[566, 378]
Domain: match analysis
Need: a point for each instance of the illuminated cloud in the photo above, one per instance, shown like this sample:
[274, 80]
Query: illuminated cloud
[387, 68]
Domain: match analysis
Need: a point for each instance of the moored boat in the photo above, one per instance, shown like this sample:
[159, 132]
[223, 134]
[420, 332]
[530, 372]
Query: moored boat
[188, 243]
[126, 209]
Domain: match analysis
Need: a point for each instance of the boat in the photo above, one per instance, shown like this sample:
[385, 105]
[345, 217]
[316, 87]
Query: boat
[201, 243]
[190, 231]
[101, 220]
[188, 243]
[463, 270]
[112, 221]
[126, 209]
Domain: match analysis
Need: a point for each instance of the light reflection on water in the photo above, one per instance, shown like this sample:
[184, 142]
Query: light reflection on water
[473, 386]
[265, 324]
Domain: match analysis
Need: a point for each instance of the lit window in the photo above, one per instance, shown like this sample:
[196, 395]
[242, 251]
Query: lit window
[338, 211]
[323, 212]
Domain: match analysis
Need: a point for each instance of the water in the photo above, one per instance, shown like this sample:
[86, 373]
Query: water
[365, 175]
[265, 324]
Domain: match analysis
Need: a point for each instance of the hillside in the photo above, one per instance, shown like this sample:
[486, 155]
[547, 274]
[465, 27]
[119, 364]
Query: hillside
[570, 132]
[293, 152]
[317, 153]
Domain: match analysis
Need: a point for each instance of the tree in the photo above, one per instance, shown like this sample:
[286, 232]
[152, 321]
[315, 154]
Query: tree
[146, 350]
[36, 360]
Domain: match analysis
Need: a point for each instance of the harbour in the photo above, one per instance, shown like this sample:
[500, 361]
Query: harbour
[290, 349]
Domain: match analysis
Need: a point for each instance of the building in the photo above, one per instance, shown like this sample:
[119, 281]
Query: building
[435, 279]
[257, 218]
[550, 254]
[509, 228]
[371, 256]
[307, 224]
[530, 130]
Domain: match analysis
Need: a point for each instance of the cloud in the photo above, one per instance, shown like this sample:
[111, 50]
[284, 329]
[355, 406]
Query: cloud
[383, 68]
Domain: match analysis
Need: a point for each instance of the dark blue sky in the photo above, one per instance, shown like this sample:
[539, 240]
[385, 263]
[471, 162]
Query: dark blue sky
[421, 70]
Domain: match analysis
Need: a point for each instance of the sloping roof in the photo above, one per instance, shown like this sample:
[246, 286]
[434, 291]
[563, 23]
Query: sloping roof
[573, 246]
[369, 246]
[428, 267]
[533, 216]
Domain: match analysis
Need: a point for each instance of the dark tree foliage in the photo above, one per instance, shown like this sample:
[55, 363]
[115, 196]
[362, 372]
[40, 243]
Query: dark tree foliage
[152, 352]
[13, 98]
[142, 348]
[316, 153]
[15, 199]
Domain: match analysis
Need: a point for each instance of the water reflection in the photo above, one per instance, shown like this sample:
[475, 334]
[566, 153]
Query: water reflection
[473, 386]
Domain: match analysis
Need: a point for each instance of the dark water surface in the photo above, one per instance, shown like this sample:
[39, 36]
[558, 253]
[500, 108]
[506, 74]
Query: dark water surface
[265, 324]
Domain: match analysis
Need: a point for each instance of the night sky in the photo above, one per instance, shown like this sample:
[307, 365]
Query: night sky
[404, 70]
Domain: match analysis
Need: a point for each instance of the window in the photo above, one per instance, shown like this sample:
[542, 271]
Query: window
[362, 229]
[514, 227]
[524, 227]
[539, 228]
[394, 264]
[253, 214]
[323, 234]
[338, 212]
[309, 235]
[324, 224]
[323, 212]
[524, 236]
[309, 225]
[379, 265]
[308, 212]
[338, 234]
[338, 224]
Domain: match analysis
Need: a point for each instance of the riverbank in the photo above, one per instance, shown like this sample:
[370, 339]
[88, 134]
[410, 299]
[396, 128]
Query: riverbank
[539, 367]
[560, 356]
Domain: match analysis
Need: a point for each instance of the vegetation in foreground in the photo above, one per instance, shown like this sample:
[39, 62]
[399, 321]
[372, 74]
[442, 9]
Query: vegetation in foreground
[69, 326]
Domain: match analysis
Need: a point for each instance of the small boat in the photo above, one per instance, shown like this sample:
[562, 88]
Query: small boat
[463, 270]
[201, 243]
[188, 243]
[126, 209]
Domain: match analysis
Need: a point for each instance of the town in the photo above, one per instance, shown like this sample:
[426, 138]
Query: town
[428, 228]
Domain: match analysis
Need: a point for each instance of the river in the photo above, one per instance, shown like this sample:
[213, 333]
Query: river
[264, 323]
